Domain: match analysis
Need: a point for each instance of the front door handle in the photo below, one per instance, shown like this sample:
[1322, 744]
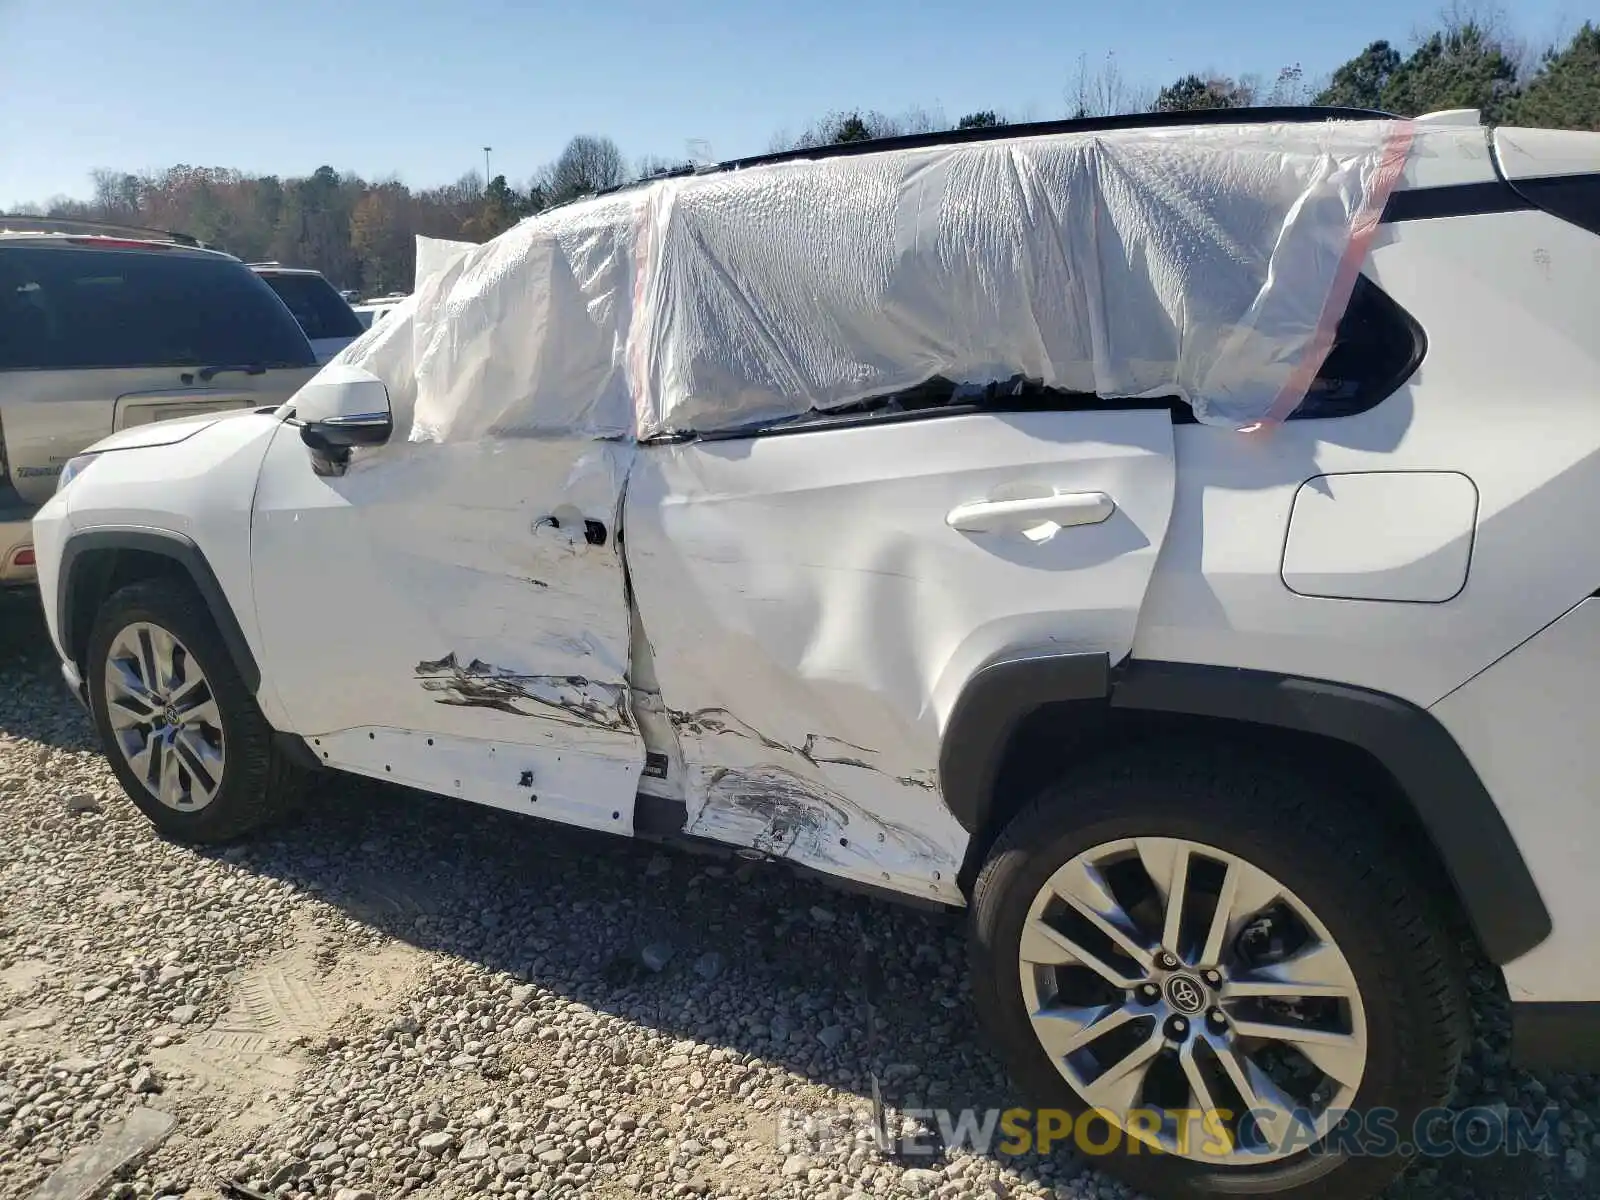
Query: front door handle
[1064, 508]
[592, 531]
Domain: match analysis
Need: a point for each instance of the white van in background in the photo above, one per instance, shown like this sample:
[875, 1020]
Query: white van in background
[370, 312]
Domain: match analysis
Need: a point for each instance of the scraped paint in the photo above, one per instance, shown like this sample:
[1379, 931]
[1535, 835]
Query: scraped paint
[570, 698]
[780, 813]
[789, 801]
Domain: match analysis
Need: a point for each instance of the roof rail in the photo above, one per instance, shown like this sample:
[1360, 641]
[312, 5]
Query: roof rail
[1264, 115]
[22, 223]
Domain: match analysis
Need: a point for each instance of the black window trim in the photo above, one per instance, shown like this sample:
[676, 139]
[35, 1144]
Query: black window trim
[822, 422]
[1452, 200]
[1574, 199]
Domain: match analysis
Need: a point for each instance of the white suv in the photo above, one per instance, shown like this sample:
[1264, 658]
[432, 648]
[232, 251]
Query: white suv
[1232, 740]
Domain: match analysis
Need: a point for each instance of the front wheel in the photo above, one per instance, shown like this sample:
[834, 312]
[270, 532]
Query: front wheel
[1227, 978]
[184, 735]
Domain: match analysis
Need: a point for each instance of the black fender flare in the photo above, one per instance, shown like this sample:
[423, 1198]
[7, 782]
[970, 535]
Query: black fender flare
[1497, 892]
[995, 701]
[84, 550]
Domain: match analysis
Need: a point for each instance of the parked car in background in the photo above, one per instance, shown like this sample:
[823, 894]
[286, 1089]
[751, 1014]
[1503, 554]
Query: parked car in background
[322, 311]
[107, 327]
[370, 312]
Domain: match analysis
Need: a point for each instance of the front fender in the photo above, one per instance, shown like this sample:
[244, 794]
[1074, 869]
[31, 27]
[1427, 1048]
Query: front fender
[88, 568]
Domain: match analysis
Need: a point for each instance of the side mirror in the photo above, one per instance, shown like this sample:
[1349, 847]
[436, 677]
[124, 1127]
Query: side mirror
[342, 407]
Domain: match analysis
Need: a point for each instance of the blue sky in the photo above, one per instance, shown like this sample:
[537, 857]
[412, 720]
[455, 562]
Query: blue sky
[417, 89]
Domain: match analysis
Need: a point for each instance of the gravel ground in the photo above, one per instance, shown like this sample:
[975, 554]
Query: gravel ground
[400, 995]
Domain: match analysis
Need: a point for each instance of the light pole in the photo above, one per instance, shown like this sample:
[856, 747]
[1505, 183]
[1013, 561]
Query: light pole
[486, 150]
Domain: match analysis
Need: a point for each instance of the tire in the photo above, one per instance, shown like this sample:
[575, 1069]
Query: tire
[254, 785]
[1307, 835]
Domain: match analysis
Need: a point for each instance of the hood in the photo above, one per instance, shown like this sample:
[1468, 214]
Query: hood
[163, 433]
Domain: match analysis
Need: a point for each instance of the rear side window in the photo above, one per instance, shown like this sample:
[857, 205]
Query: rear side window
[67, 308]
[1377, 347]
[321, 311]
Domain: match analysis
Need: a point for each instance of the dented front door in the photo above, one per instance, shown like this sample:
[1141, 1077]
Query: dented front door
[815, 602]
[454, 617]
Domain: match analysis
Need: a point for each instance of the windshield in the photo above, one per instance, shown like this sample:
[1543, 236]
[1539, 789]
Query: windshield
[321, 311]
[64, 308]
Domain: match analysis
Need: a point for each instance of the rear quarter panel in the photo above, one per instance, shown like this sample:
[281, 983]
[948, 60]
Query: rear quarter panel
[1527, 726]
[1508, 395]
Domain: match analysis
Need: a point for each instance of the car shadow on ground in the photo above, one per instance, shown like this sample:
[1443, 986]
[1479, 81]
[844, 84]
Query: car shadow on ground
[749, 957]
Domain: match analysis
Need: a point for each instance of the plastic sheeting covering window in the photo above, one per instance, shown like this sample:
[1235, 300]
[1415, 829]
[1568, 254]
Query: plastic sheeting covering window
[388, 349]
[1209, 264]
[530, 338]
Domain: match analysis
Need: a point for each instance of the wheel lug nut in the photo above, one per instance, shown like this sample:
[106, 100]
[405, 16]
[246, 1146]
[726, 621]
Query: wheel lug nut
[1217, 1020]
[1169, 962]
[1149, 993]
[1177, 1028]
[1212, 978]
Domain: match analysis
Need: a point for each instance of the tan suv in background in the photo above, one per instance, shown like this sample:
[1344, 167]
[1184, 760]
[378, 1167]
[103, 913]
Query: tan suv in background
[103, 327]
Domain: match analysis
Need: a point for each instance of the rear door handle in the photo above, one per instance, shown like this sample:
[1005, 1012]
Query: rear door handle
[1064, 508]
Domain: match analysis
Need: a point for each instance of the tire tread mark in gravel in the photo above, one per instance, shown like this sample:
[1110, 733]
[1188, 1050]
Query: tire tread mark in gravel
[277, 1000]
[279, 1003]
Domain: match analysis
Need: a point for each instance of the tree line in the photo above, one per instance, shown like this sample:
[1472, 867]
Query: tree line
[361, 233]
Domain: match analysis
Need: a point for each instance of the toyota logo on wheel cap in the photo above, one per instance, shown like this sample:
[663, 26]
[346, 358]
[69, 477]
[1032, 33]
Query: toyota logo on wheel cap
[1185, 995]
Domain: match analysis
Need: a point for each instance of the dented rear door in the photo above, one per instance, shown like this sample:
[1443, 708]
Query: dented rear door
[816, 600]
[454, 617]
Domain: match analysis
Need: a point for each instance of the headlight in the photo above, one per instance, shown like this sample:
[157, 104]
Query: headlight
[73, 469]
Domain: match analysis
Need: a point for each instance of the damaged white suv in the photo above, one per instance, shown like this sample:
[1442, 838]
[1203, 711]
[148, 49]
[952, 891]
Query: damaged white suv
[1171, 538]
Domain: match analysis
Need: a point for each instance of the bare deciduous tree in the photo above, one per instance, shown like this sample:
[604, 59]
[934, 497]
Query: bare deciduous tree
[116, 194]
[1105, 92]
[922, 120]
[1490, 19]
[588, 164]
[1289, 88]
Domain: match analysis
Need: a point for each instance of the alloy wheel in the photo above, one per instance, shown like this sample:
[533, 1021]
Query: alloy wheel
[164, 717]
[1167, 979]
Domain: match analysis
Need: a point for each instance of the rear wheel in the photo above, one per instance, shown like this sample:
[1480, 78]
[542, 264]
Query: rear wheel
[184, 735]
[1215, 965]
